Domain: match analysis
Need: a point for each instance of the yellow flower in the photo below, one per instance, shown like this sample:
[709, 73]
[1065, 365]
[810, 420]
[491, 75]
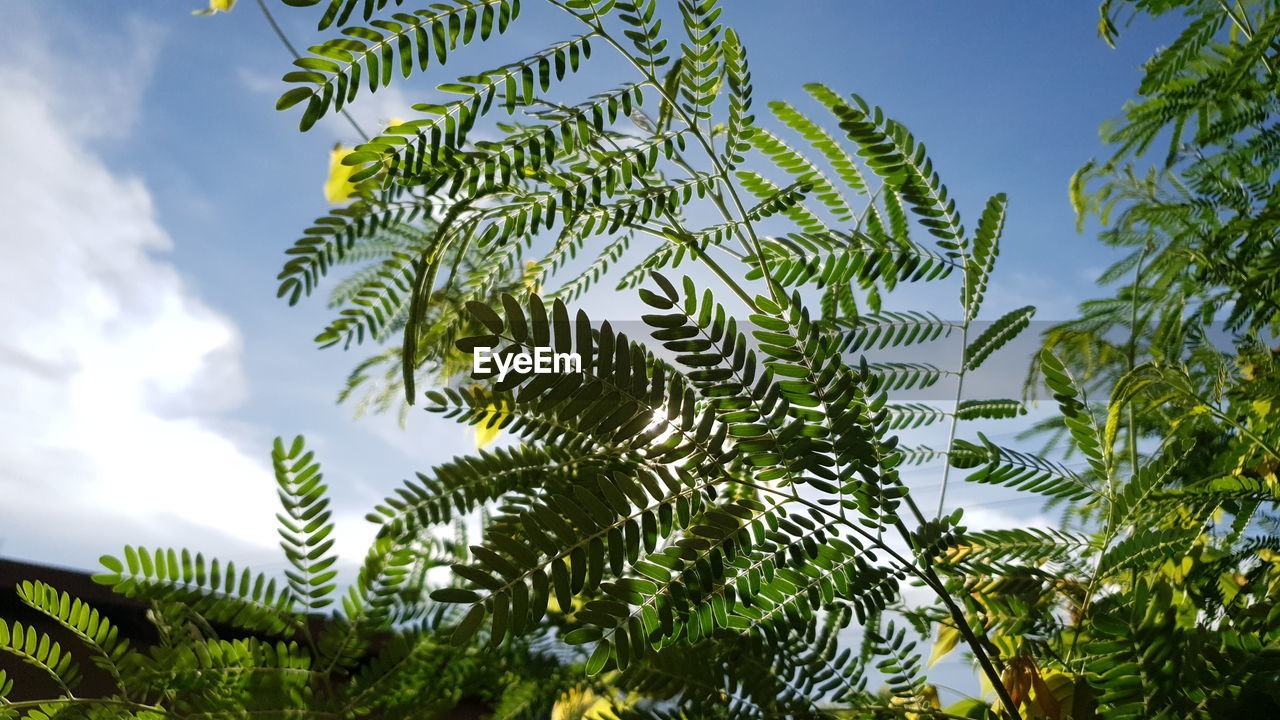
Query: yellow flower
[532, 273]
[216, 6]
[339, 188]
[582, 704]
[948, 638]
[490, 426]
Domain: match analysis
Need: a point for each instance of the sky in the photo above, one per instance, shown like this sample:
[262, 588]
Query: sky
[150, 188]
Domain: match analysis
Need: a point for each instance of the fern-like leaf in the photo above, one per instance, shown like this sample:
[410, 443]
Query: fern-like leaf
[306, 524]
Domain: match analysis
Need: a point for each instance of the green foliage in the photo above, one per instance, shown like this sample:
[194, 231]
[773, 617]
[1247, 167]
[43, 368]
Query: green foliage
[1020, 470]
[231, 643]
[1167, 498]
[997, 335]
[653, 497]
[684, 522]
[656, 512]
[331, 76]
[305, 526]
[37, 649]
[110, 652]
[1202, 221]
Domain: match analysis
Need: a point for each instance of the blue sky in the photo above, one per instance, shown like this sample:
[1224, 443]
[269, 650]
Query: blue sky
[151, 188]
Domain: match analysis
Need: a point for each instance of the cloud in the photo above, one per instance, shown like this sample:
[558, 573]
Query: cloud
[260, 83]
[978, 518]
[103, 103]
[117, 377]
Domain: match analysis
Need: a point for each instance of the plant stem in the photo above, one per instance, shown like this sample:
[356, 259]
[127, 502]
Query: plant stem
[751, 243]
[955, 418]
[924, 572]
[724, 276]
[685, 236]
[903, 710]
[284, 40]
[1273, 452]
[1240, 24]
[685, 239]
[1245, 27]
[1132, 353]
[711, 264]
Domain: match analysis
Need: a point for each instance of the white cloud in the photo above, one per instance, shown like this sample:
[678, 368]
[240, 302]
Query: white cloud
[115, 375]
[100, 76]
[978, 518]
[260, 83]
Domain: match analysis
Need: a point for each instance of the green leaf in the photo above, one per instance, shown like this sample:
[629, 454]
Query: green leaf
[989, 409]
[454, 595]
[599, 657]
[996, 336]
[1076, 414]
[470, 624]
[979, 263]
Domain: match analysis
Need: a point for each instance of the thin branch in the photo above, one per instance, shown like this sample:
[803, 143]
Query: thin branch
[284, 40]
